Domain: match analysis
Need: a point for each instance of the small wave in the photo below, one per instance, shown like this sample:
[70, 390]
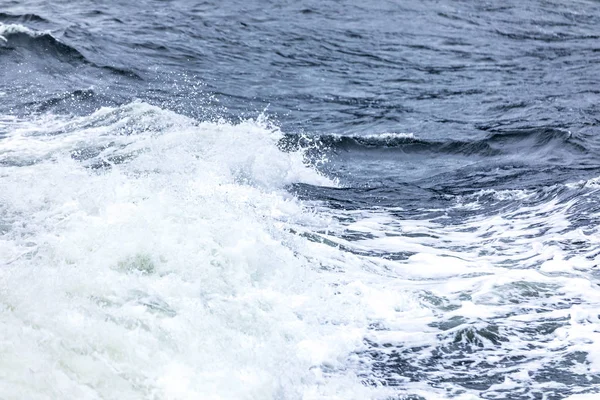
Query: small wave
[593, 183]
[21, 17]
[73, 98]
[44, 43]
[7, 30]
[496, 143]
[382, 137]
[16, 35]
[339, 140]
[538, 135]
[502, 195]
[405, 142]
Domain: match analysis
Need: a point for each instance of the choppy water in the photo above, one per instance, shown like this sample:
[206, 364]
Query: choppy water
[299, 200]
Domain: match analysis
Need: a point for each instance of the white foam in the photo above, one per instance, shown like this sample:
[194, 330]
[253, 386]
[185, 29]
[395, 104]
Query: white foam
[148, 255]
[171, 273]
[12, 29]
[384, 137]
[509, 194]
[513, 270]
[389, 136]
[585, 396]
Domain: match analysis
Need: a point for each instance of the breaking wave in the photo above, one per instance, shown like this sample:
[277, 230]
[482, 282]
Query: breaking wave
[148, 254]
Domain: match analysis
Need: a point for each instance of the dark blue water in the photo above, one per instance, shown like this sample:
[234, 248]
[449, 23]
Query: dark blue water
[477, 122]
[501, 80]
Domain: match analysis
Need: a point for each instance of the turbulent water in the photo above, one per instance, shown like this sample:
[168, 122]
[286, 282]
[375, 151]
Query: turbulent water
[300, 200]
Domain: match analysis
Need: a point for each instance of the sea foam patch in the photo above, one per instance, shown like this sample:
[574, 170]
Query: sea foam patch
[148, 254]
[510, 291]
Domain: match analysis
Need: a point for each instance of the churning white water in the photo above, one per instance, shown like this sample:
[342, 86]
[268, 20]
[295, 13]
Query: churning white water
[145, 255]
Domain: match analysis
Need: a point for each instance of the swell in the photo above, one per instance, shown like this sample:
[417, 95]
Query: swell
[42, 43]
[497, 143]
[16, 37]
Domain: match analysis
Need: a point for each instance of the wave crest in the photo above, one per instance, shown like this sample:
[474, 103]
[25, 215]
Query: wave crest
[7, 30]
[496, 143]
[136, 132]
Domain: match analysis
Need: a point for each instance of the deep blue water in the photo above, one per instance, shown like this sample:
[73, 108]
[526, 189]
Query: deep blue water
[482, 81]
[468, 129]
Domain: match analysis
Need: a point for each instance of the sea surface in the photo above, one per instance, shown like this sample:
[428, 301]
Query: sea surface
[300, 200]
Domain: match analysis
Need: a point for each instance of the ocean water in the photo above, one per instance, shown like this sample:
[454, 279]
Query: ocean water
[300, 200]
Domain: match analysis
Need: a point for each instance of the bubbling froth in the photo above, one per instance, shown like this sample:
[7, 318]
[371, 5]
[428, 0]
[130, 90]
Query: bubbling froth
[145, 254]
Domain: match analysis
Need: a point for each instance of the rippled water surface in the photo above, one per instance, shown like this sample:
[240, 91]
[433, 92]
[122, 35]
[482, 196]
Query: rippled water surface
[300, 200]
